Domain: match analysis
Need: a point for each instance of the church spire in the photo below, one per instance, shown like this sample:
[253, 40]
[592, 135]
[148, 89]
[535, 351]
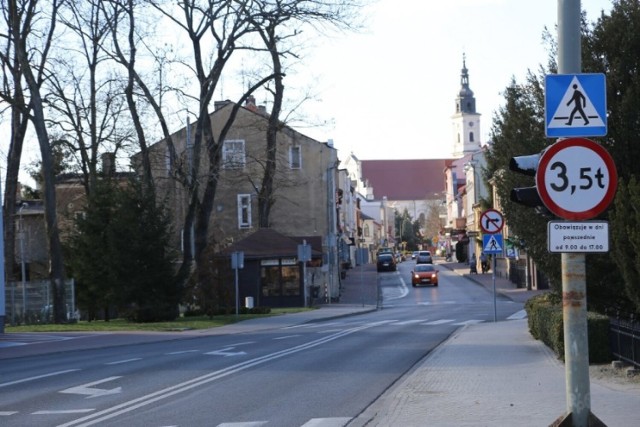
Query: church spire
[465, 102]
[466, 121]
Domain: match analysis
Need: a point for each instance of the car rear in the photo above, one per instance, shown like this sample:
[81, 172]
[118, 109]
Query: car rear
[386, 262]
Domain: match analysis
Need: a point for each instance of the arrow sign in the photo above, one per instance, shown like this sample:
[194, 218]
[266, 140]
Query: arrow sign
[90, 392]
[491, 221]
[226, 353]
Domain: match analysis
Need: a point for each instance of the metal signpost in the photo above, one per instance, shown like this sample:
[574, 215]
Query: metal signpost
[576, 181]
[491, 223]
[237, 262]
[304, 255]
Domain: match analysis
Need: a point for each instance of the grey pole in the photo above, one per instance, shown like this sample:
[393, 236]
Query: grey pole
[574, 293]
[2, 283]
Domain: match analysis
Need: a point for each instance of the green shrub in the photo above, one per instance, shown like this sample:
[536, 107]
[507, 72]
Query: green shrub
[545, 320]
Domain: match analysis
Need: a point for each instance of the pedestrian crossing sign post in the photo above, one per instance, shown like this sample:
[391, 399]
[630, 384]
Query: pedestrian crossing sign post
[492, 244]
[575, 105]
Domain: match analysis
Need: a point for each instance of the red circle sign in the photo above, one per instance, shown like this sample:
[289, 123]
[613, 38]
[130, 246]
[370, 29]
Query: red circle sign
[576, 179]
[491, 221]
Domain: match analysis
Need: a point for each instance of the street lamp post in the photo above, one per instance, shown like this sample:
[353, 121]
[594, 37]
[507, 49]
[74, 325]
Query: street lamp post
[22, 265]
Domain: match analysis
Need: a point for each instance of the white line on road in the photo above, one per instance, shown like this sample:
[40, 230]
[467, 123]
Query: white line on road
[130, 405]
[7, 413]
[24, 380]
[119, 362]
[522, 314]
[89, 391]
[327, 422]
[410, 322]
[226, 352]
[439, 322]
[469, 322]
[63, 411]
[182, 352]
[286, 337]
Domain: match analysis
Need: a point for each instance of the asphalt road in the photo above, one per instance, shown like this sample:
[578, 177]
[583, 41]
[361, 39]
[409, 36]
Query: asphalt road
[316, 374]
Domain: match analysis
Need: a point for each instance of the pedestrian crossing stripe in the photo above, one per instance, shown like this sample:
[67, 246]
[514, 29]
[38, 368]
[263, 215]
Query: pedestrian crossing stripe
[492, 245]
[575, 105]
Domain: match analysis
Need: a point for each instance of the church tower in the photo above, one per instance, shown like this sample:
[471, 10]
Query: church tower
[466, 122]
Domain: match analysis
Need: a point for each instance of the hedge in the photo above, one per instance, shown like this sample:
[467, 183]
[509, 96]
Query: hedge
[544, 313]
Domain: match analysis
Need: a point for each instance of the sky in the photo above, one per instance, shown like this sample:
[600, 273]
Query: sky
[389, 91]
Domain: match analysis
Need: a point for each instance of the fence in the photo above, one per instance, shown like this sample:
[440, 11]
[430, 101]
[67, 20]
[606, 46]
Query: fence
[624, 339]
[32, 302]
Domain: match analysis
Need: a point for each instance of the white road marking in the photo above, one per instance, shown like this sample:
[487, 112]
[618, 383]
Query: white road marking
[7, 413]
[90, 392]
[139, 402]
[522, 314]
[63, 411]
[327, 422]
[226, 352]
[286, 337]
[410, 322]
[24, 380]
[439, 322]
[119, 362]
[182, 352]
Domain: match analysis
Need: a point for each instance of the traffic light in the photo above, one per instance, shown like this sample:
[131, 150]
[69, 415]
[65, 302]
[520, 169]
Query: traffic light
[526, 165]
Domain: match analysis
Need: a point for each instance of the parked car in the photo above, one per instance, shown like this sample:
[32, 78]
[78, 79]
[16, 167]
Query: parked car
[424, 274]
[386, 262]
[424, 257]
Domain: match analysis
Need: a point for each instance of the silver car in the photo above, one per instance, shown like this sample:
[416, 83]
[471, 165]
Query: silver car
[424, 257]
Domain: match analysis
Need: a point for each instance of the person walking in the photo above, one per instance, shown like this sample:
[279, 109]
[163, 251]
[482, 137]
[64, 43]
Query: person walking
[579, 102]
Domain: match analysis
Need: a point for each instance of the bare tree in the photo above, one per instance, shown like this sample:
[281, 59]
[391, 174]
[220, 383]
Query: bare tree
[278, 25]
[32, 25]
[84, 93]
[12, 93]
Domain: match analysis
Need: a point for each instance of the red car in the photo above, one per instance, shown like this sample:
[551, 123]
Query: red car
[424, 274]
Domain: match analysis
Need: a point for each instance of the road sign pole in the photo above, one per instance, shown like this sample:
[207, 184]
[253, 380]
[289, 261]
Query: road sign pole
[495, 305]
[574, 301]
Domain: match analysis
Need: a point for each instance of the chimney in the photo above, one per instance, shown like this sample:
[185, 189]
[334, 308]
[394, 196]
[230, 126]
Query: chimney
[250, 104]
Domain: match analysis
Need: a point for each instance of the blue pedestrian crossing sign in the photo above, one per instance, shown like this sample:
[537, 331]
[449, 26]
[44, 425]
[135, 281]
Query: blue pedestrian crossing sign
[575, 105]
[492, 244]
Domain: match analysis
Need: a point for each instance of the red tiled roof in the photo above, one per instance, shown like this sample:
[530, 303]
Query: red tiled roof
[405, 179]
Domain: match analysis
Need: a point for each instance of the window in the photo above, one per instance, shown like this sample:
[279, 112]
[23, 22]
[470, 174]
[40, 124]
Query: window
[471, 136]
[233, 154]
[295, 157]
[244, 210]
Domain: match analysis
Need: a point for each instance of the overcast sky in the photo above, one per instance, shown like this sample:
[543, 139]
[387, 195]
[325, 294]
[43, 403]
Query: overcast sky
[390, 90]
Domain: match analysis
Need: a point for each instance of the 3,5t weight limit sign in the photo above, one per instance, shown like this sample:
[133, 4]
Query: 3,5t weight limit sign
[576, 179]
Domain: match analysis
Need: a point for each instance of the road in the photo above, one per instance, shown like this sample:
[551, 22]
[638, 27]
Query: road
[317, 374]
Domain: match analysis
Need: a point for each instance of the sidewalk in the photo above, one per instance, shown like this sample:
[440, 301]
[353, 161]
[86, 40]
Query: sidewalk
[493, 374]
